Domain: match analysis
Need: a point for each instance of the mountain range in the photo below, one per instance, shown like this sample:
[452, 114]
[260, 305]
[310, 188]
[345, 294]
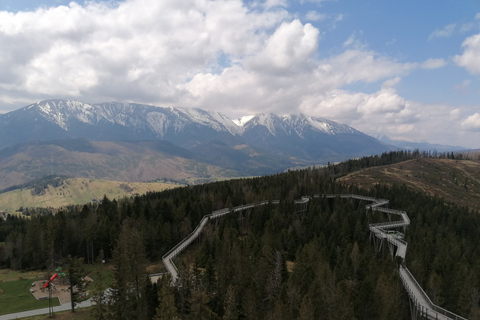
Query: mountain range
[70, 138]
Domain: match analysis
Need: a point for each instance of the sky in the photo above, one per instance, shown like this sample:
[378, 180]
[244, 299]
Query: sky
[407, 69]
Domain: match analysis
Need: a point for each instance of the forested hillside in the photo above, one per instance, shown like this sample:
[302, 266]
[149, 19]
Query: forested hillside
[274, 262]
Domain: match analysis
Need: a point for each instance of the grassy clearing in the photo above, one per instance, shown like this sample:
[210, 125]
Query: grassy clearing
[11, 275]
[15, 297]
[76, 191]
[457, 181]
[106, 274]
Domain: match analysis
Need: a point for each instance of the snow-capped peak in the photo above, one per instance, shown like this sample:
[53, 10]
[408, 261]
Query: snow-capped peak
[242, 120]
[160, 121]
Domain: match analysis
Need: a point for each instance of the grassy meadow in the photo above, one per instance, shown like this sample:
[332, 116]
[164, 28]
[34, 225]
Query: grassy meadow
[14, 291]
[76, 191]
[15, 295]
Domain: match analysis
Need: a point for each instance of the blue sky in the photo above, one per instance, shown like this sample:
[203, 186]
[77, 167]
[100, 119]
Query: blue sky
[405, 69]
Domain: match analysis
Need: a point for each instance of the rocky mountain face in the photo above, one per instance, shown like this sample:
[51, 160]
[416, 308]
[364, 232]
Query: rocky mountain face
[267, 141]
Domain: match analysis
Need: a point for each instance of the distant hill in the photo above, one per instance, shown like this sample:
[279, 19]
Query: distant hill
[456, 181]
[412, 145]
[128, 161]
[74, 191]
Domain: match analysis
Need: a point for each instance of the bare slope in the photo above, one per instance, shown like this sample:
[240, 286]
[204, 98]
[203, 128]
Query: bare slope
[454, 180]
[141, 161]
[76, 191]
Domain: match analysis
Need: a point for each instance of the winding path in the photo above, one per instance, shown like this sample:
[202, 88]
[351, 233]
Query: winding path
[420, 304]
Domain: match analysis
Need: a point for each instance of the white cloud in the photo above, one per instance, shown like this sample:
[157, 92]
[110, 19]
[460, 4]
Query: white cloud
[384, 101]
[362, 65]
[462, 87]
[447, 31]
[210, 54]
[472, 123]
[466, 27]
[289, 48]
[434, 64]
[315, 1]
[221, 55]
[140, 49]
[385, 112]
[353, 41]
[315, 16]
[348, 106]
[274, 3]
[390, 83]
[470, 59]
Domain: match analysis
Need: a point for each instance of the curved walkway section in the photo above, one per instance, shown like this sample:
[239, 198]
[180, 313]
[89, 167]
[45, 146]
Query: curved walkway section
[421, 305]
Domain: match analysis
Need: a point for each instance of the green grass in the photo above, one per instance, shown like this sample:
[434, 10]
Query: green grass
[10, 275]
[15, 297]
[106, 275]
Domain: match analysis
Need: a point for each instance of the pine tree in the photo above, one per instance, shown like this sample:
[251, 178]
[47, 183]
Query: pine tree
[100, 297]
[166, 301]
[129, 260]
[75, 272]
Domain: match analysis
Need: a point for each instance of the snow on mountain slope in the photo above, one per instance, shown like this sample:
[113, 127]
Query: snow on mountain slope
[186, 127]
[212, 119]
[242, 120]
[254, 145]
[298, 124]
[301, 122]
[156, 119]
[61, 112]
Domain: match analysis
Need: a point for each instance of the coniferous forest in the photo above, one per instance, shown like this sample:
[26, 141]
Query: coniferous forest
[277, 261]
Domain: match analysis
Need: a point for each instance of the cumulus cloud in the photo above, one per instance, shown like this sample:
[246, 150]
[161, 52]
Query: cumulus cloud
[386, 113]
[348, 106]
[139, 47]
[470, 59]
[289, 48]
[284, 77]
[175, 52]
[472, 123]
[364, 65]
[232, 56]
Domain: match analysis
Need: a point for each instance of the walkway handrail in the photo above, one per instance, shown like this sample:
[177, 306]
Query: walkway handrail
[167, 258]
[430, 310]
[433, 306]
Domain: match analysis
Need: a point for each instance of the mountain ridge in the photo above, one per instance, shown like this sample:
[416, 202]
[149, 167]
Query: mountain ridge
[185, 127]
[259, 144]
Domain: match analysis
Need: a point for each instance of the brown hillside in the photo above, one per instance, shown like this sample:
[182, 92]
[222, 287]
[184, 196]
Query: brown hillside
[120, 161]
[76, 191]
[454, 180]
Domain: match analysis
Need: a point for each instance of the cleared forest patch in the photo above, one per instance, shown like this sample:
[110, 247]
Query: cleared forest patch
[456, 181]
[76, 191]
